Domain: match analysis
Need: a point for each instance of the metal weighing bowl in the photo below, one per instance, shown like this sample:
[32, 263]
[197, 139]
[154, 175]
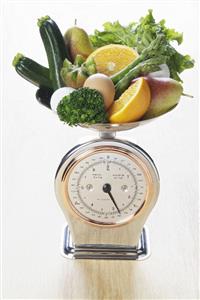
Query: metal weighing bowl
[108, 127]
[44, 96]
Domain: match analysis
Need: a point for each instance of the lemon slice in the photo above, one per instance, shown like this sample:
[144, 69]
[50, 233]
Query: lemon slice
[132, 104]
[112, 58]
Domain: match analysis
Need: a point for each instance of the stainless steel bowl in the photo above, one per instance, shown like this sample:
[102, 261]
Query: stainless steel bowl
[108, 127]
[44, 96]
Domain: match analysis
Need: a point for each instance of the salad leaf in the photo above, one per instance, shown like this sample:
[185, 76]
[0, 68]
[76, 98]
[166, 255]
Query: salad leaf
[177, 63]
[137, 35]
[140, 35]
[114, 33]
[147, 30]
[171, 34]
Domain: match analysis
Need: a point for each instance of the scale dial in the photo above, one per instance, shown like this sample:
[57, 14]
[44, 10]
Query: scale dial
[107, 187]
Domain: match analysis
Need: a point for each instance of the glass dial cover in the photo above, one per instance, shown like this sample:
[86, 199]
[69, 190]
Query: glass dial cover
[107, 187]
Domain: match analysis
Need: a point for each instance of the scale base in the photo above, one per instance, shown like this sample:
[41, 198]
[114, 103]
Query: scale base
[100, 251]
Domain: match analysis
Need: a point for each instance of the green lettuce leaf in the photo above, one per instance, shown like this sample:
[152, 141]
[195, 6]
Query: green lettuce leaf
[113, 33]
[139, 35]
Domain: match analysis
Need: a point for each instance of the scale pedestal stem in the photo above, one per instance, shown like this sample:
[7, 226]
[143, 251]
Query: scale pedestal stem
[107, 134]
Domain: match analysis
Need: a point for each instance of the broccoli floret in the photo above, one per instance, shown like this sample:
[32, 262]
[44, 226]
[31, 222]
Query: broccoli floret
[84, 105]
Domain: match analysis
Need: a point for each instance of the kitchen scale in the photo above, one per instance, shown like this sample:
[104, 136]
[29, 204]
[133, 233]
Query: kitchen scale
[106, 188]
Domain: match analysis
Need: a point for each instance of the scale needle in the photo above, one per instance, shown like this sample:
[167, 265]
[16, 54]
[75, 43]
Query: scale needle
[107, 189]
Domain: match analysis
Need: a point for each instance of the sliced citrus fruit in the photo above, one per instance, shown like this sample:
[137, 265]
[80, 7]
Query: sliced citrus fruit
[132, 104]
[112, 58]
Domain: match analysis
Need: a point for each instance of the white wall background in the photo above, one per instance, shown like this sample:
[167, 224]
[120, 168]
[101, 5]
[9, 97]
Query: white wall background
[34, 141]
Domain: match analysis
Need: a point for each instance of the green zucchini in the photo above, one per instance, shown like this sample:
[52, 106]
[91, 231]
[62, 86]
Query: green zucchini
[32, 71]
[55, 49]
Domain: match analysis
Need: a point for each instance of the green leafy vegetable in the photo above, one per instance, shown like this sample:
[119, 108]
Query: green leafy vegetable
[114, 33]
[136, 34]
[147, 30]
[82, 106]
[140, 35]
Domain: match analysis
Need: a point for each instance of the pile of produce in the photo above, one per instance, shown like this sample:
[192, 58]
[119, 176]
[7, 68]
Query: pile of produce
[118, 75]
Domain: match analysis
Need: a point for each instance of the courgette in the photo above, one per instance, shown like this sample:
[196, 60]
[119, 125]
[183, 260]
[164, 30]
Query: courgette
[43, 95]
[32, 71]
[55, 49]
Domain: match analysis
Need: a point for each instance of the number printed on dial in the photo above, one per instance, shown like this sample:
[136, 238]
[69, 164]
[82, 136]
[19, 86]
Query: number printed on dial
[107, 187]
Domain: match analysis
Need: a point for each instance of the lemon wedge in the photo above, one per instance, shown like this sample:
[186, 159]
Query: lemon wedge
[132, 104]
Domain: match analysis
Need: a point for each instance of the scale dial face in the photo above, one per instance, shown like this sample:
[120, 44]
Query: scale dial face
[107, 187]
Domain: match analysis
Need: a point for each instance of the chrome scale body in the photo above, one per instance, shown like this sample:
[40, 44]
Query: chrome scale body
[71, 247]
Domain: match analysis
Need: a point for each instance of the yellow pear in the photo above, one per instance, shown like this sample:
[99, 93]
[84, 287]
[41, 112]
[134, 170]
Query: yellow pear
[77, 42]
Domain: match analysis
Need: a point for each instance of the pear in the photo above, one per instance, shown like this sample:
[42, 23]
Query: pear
[165, 94]
[77, 42]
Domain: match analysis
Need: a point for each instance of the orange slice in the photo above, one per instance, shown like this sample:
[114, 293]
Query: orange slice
[112, 58]
[132, 104]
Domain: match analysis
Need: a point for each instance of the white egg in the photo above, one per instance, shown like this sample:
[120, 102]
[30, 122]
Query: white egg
[58, 95]
[104, 85]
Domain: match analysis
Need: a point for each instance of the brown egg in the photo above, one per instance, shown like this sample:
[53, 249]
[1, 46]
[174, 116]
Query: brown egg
[104, 85]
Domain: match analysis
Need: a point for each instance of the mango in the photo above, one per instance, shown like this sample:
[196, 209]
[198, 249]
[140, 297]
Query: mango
[77, 42]
[165, 94]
